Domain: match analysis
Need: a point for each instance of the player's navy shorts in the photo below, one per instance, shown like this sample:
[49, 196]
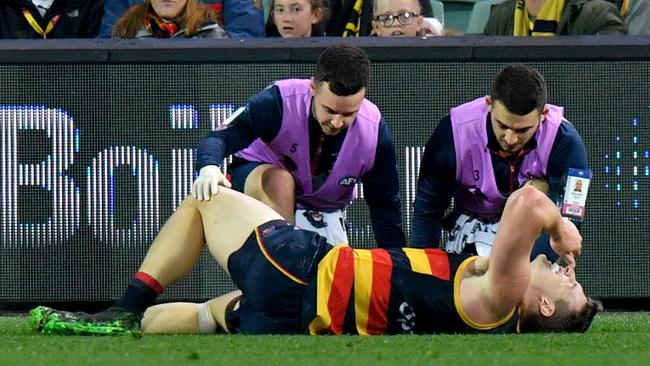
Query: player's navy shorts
[273, 269]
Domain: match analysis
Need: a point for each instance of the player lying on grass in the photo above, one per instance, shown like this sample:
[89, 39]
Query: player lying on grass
[294, 282]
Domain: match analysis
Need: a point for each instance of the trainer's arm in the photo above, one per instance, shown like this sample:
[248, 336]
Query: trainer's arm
[435, 186]
[261, 118]
[381, 191]
[568, 151]
[527, 213]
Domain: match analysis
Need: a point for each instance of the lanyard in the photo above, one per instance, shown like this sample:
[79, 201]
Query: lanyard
[37, 28]
[317, 153]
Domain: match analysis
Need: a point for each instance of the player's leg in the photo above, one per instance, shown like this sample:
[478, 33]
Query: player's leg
[177, 246]
[275, 187]
[225, 222]
[228, 219]
[189, 318]
[173, 253]
[172, 318]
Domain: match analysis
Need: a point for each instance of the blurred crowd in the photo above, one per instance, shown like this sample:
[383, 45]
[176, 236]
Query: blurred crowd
[25, 19]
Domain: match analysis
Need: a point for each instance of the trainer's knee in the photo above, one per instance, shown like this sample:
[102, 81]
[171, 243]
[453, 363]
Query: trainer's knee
[278, 182]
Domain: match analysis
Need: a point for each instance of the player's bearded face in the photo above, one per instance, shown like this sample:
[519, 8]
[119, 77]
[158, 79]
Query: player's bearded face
[334, 112]
[557, 282]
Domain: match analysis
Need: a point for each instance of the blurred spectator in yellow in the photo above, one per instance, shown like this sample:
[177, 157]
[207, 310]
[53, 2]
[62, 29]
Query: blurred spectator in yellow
[636, 14]
[297, 18]
[554, 17]
[169, 19]
[50, 18]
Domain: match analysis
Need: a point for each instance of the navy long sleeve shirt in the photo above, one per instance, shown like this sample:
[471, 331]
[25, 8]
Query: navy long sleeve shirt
[437, 180]
[261, 118]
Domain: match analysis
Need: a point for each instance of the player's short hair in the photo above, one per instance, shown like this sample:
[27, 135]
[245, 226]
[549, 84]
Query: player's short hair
[563, 320]
[345, 68]
[520, 88]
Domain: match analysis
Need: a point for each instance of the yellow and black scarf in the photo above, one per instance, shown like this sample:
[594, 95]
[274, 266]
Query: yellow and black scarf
[546, 23]
[623, 6]
[353, 26]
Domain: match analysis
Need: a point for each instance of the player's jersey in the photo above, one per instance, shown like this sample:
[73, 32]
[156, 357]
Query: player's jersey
[389, 291]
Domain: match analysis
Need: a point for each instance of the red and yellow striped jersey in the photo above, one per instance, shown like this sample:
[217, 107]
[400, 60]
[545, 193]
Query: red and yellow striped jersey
[389, 291]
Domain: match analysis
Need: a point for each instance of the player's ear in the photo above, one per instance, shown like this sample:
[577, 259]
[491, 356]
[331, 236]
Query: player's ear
[546, 307]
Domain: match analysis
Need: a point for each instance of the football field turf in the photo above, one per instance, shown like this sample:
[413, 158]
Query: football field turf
[614, 339]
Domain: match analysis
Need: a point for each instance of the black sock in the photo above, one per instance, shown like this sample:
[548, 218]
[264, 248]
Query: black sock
[141, 293]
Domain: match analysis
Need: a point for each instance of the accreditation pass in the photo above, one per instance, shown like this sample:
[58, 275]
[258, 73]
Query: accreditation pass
[575, 193]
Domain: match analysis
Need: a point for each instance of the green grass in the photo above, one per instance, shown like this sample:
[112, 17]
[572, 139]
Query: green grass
[614, 339]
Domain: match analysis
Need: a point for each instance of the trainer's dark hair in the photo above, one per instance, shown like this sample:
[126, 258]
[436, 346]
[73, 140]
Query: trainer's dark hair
[563, 319]
[345, 68]
[520, 88]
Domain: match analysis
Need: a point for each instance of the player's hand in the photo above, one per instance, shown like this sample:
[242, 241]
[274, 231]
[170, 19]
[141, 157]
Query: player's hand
[210, 177]
[540, 184]
[568, 242]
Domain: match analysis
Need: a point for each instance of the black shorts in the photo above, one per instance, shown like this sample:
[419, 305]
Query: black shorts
[273, 269]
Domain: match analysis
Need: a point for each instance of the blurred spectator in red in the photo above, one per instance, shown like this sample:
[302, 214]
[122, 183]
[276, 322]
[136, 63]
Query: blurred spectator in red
[50, 18]
[554, 17]
[169, 19]
[240, 18]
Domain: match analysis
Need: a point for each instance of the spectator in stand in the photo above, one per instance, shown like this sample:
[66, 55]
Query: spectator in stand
[402, 18]
[554, 17]
[113, 10]
[636, 14]
[241, 18]
[169, 19]
[297, 18]
[354, 18]
[26, 19]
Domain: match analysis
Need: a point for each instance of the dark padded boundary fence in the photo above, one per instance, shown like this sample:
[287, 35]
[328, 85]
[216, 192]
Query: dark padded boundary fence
[97, 138]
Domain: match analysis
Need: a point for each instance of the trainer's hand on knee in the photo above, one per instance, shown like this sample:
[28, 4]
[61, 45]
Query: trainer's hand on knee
[206, 185]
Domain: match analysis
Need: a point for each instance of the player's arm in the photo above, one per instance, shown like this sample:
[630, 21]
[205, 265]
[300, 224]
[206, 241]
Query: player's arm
[527, 213]
[436, 181]
[381, 191]
[261, 118]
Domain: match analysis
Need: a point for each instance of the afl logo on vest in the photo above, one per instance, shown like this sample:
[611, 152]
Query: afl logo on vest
[348, 181]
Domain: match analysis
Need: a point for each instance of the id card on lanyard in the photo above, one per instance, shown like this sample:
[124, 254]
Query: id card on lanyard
[575, 194]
